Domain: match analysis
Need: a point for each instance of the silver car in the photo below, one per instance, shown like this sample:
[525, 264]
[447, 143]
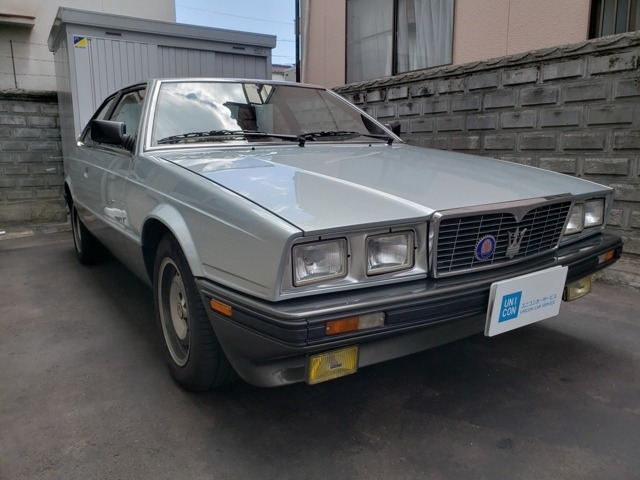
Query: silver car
[288, 236]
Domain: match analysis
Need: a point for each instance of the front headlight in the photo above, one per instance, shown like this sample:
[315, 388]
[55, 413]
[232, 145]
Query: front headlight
[585, 215]
[594, 213]
[576, 220]
[389, 253]
[319, 262]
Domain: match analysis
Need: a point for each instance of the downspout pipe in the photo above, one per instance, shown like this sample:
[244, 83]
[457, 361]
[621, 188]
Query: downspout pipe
[298, 59]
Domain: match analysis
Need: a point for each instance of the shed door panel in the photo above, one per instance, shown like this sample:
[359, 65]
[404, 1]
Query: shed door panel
[242, 66]
[186, 62]
[183, 62]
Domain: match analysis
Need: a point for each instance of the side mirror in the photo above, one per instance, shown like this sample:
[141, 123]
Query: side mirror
[112, 133]
[395, 127]
[106, 131]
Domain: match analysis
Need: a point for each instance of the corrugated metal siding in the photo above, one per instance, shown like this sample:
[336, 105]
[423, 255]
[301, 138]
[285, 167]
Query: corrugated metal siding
[115, 64]
[183, 62]
[241, 66]
[186, 62]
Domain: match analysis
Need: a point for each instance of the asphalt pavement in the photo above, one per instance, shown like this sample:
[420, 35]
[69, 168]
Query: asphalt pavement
[84, 394]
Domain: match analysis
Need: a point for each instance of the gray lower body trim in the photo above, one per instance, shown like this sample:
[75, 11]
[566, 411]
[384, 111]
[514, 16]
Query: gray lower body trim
[268, 342]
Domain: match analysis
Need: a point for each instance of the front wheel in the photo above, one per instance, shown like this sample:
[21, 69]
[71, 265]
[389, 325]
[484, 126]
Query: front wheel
[196, 360]
[86, 245]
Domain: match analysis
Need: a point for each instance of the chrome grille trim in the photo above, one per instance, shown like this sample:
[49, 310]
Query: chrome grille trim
[457, 234]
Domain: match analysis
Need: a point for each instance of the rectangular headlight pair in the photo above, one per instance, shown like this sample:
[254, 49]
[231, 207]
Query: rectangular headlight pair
[320, 261]
[389, 252]
[327, 260]
[585, 215]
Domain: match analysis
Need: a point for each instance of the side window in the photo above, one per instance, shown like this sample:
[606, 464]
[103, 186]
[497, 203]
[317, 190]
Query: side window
[387, 37]
[128, 110]
[609, 17]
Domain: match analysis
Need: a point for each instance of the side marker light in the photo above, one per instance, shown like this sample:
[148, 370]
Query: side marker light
[223, 308]
[351, 324]
[605, 257]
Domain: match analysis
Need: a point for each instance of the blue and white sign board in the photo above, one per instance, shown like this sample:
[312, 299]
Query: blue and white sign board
[523, 300]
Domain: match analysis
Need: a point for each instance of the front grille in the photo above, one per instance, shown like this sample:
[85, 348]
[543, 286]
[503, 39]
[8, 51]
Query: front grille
[459, 237]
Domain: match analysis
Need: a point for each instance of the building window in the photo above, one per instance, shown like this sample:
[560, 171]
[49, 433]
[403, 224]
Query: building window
[386, 37]
[609, 17]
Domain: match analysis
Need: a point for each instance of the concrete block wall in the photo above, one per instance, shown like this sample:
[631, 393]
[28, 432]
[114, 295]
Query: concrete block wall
[573, 109]
[31, 176]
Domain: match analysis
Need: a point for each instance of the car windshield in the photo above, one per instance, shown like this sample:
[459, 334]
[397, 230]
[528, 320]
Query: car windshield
[197, 111]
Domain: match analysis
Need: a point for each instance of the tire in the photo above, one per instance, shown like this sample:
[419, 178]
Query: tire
[88, 249]
[194, 355]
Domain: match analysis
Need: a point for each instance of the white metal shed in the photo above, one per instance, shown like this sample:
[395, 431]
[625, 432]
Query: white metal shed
[97, 53]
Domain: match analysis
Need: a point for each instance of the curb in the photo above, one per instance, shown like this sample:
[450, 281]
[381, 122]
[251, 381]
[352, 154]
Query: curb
[21, 231]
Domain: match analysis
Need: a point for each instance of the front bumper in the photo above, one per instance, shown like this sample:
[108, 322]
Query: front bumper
[268, 343]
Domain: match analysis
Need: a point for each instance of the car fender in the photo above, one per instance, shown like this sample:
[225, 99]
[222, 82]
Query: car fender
[173, 220]
[69, 194]
[71, 198]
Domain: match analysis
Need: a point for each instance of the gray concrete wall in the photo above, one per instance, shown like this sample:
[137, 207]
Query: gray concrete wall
[573, 109]
[31, 175]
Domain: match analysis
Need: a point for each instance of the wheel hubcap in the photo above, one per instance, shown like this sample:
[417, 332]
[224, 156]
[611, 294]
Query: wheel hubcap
[174, 311]
[77, 234]
[179, 310]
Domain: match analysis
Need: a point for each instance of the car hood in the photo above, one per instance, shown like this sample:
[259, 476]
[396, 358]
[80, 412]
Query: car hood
[322, 188]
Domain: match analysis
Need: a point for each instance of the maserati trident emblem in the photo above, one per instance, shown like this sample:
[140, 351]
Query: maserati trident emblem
[515, 239]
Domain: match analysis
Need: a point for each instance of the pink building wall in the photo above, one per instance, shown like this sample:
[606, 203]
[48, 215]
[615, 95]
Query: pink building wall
[483, 29]
[486, 29]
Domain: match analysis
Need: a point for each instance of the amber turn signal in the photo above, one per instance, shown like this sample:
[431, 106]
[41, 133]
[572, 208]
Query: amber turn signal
[351, 324]
[223, 308]
[341, 326]
[605, 257]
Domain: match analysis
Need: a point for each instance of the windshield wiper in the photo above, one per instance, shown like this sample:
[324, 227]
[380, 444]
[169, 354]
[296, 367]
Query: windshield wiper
[227, 133]
[343, 133]
[301, 139]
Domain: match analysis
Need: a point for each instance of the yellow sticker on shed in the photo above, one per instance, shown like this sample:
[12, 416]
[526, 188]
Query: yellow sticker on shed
[79, 42]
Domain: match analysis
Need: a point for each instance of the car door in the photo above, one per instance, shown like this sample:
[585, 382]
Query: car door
[81, 166]
[106, 168]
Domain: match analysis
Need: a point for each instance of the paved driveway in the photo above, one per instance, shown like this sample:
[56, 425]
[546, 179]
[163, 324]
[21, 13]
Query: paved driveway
[84, 394]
